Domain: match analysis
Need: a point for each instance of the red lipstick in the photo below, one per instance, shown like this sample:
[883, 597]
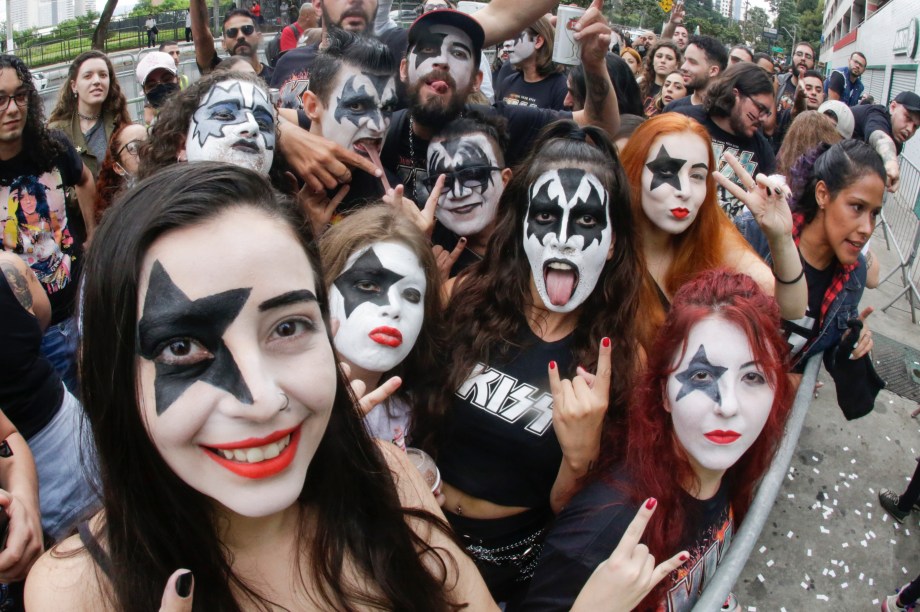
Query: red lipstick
[262, 469]
[387, 336]
[680, 213]
[722, 437]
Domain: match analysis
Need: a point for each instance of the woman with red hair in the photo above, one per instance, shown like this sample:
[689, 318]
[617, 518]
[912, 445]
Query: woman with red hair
[704, 425]
[672, 176]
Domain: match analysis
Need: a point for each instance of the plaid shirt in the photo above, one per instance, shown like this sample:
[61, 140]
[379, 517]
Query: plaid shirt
[840, 276]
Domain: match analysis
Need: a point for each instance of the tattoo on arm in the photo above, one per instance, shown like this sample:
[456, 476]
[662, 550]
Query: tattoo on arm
[884, 145]
[596, 96]
[18, 283]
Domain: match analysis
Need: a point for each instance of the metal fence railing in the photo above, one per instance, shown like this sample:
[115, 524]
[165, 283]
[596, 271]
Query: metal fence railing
[901, 227]
[730, 568]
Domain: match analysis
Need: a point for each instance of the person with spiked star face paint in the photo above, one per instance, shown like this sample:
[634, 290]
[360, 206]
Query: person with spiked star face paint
[557, 288]
[440, 70]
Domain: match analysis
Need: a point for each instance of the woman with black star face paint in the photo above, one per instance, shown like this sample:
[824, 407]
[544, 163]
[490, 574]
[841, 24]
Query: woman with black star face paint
[710, 409]
[557, 288]
[673, 176]
[384, 296]
[228, 441]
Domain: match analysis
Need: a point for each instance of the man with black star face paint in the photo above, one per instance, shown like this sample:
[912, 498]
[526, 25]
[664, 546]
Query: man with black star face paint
[440, 71]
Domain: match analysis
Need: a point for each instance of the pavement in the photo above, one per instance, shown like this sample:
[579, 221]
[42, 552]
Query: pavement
[828, 544]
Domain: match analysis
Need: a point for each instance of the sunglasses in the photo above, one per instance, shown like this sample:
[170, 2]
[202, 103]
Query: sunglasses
[132, 147]
[247, 31]
[469, 178]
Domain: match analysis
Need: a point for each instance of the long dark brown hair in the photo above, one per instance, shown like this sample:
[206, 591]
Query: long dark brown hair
[487, 315]
[154, 522]
[114, 103]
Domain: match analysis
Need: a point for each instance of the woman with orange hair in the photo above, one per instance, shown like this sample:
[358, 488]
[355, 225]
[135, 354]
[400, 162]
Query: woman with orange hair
[671, 171]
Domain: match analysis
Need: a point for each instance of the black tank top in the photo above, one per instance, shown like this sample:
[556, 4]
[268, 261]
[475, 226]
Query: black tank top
[30, 388]
[500, 444]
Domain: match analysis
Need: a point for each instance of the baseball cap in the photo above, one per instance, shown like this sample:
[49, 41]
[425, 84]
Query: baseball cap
[152, 61]
[842, 113]
[450, 17]
[908, 100]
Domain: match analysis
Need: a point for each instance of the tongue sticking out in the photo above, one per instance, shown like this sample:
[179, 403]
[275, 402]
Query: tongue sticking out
[559, 285]
[375, 158]
[439, 86]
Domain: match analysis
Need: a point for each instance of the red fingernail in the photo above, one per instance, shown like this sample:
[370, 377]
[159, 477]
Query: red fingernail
[552, 365]
[684, 557]
[605, 342]
[650, 503]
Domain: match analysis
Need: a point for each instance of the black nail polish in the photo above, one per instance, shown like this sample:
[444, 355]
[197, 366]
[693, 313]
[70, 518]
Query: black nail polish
[184, 584]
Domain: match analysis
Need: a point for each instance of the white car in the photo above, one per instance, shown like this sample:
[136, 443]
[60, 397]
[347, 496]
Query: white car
[40, 81]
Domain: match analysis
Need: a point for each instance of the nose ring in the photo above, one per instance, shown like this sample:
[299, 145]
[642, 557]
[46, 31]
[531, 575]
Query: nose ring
[287, 401]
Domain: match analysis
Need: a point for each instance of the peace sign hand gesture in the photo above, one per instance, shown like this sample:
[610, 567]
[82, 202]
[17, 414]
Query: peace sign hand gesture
[630, 573]
[766, 198]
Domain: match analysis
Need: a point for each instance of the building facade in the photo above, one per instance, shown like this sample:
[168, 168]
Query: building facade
[25, 14]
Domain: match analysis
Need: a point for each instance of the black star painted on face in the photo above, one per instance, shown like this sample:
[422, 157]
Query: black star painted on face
[664, 169]
[366, 281]
[428, 46]
[172, 320]
[701, 375]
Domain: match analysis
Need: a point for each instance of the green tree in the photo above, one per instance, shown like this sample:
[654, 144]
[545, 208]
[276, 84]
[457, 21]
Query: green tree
[787, 19]
[752, 28]
[810, 24]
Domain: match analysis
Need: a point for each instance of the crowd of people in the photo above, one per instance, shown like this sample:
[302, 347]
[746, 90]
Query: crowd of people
[584, 294]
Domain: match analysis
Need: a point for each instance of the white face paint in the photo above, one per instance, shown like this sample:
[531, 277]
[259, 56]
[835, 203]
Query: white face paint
[358, 110]
[379, 301]
[235, 123]
[718, 396]
[442, 55]
[473, 187]
[216, 351]
[523, 48]
[674, 181]
[567, 236]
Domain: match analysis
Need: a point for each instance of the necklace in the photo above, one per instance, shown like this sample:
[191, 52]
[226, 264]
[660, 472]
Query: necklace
[88, 117]
[412, 157]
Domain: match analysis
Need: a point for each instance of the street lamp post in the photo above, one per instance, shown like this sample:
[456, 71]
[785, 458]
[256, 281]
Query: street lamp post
[795, 30]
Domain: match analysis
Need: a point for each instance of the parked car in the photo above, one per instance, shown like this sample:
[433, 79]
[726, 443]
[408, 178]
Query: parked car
[404, 15]
[40, 81]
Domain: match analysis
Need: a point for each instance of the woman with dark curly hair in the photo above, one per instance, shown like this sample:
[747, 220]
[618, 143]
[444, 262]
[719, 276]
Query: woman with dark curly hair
[91, 107]
[225, 116]
[554, 297]
[661, 60]
[704, 424]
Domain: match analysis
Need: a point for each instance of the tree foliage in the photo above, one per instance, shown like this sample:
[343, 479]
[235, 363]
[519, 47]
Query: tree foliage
[146, 7]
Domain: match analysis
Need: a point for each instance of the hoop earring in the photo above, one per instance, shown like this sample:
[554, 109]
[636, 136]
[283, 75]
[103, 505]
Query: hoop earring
[287, 402]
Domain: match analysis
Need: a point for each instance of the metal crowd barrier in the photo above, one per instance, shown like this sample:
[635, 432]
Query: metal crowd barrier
[901, 227]
[746, 536]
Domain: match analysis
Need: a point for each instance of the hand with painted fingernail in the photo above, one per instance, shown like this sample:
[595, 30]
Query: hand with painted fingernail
[178, 594]
[865, 343]
[424, 218]
[579, 406]
[625, 578]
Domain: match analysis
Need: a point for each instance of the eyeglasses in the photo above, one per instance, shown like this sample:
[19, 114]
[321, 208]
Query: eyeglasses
[21, 99]
[133, 147]
[247, 31]
[763, 111]
[473, 176]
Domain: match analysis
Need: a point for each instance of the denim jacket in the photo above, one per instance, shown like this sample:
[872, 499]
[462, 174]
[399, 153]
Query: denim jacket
[844, 307]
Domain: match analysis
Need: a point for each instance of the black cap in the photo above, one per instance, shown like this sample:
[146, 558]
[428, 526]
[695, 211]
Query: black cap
[450, 17]
[909, 100]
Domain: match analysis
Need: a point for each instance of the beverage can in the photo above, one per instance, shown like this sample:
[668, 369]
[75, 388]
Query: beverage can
[566, 50]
